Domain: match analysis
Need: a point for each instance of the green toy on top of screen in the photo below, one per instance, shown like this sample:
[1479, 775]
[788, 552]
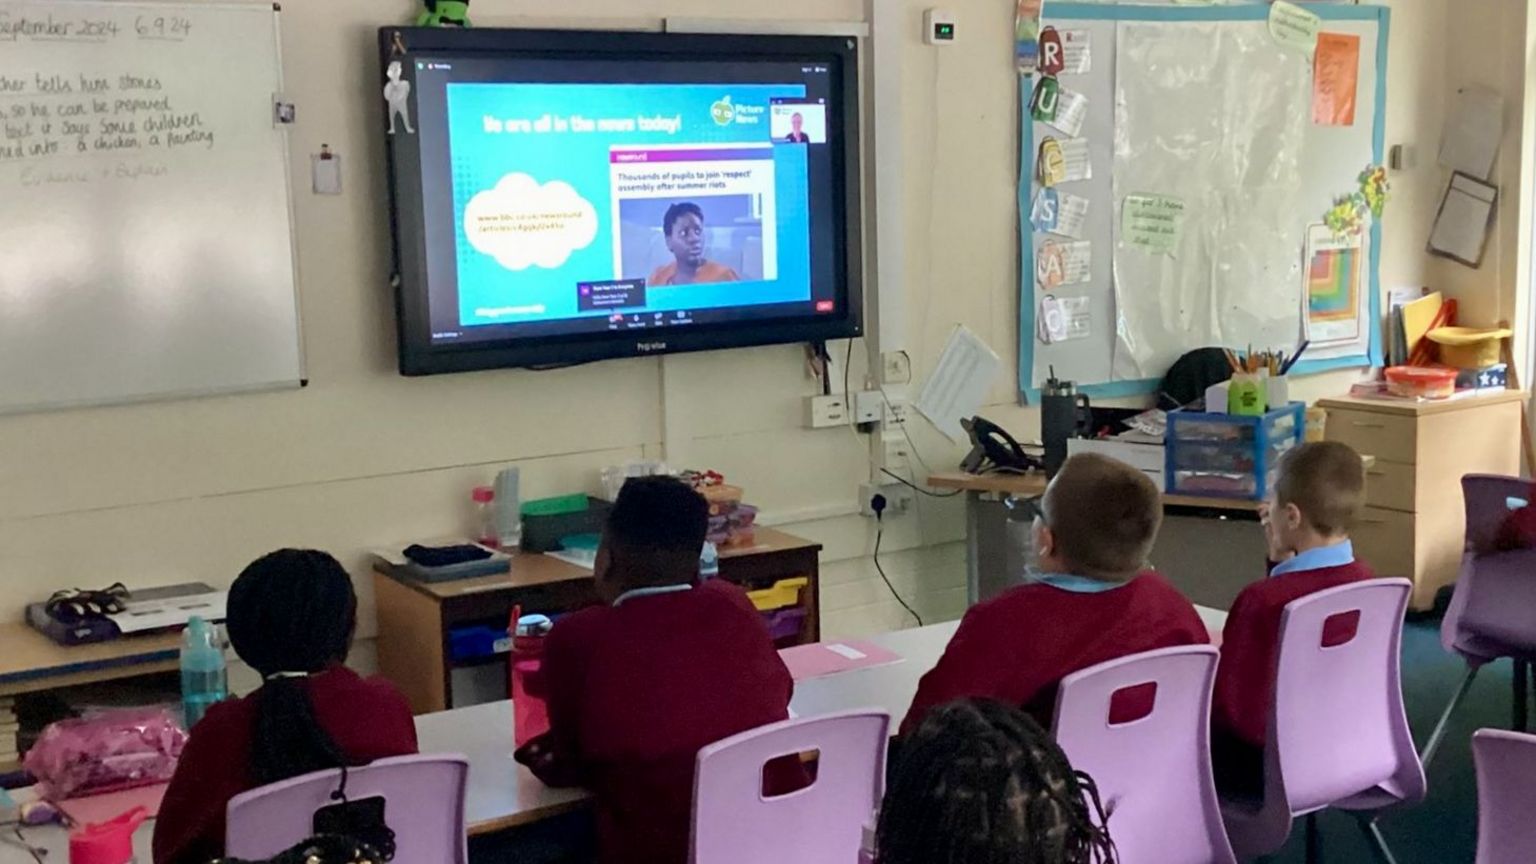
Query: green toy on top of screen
[444, 13]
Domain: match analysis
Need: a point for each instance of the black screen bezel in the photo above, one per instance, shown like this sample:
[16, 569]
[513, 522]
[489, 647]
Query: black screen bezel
[417, 353]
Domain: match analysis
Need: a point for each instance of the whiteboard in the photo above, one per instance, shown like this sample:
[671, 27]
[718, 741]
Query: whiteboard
[146, 243]
[1202, 110]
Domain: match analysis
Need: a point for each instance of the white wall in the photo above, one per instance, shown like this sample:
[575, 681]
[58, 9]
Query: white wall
[193, 490]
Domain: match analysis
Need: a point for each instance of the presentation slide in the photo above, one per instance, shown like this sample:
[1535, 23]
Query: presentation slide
[576, 200]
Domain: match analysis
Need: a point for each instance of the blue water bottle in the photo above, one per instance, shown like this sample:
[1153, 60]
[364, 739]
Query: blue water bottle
[204, 674]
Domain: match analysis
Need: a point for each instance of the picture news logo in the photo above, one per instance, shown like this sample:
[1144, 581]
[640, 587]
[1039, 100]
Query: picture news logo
[723, 112]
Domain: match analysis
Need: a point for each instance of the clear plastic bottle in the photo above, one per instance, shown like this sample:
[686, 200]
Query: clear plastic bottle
[204, 673]
[709, 562]
[485, 516]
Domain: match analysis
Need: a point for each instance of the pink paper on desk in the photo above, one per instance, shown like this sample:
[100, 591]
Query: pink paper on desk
[94, 809]
[830, 658]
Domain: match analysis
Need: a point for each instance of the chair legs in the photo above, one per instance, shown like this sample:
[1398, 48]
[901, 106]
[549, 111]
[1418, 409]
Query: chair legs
[1437, 737]
[1314, 841]
[1521, 695]
[1377, 842]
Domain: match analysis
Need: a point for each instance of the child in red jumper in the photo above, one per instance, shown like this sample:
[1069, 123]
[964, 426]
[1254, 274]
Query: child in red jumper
[291, 617]
[1306, 525]
[1092, 601]
[638, 686]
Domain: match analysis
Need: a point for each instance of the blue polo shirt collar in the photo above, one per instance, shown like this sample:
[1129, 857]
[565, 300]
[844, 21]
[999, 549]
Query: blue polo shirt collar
[1337, 555]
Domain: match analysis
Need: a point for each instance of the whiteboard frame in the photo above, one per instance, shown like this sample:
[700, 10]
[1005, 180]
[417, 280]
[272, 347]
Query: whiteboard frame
[293, 240]
[1078, 11]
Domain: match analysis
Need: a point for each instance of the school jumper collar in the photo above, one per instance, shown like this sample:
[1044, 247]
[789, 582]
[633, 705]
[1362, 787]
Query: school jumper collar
[1074, 583]
[650, 592]
[1337, 555]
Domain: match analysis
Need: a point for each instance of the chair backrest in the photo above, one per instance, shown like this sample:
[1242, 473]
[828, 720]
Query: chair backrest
[1487, 498]
[1153, 771]
[1337, 726]
[1493, 609]
[1506, 783]
[822, 823]
[423, 805]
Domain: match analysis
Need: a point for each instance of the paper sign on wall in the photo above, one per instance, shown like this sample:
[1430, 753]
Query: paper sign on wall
[1026, 35]
[1071, 111]
[1334, 292]
[1076, 52]
[1335, 78]
[1057, 212]
[959, 382]
[1052, 60]
[1063, 161]
[1293, 26]
[1058, 263]
[1152, 223]
[1063, 319]
[1047, 99]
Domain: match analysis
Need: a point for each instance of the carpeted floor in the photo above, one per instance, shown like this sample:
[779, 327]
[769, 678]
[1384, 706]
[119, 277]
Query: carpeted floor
[1442, 830]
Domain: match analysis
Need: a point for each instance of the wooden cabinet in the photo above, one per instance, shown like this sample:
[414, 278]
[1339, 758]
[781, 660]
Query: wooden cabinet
[416, 618]
[1414, 522]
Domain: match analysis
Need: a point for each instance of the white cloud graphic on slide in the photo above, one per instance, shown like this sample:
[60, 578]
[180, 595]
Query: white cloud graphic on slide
[523, 224]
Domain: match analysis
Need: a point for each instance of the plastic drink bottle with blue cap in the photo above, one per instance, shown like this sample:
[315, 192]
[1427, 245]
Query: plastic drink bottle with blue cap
[204, 673]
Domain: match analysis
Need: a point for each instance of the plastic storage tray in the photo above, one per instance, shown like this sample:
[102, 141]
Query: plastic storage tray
[1230, 456]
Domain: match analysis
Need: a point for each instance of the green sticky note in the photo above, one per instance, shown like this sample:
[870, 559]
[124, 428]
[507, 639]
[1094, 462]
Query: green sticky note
[1152, 223]
[1293, 26]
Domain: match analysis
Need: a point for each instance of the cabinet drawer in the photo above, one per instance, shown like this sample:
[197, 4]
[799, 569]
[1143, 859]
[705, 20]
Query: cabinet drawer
[1388, 437]
[1391, 485]
[1384, 540]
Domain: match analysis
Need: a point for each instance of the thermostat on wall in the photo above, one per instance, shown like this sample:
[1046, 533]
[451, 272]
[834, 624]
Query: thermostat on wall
[938, 27]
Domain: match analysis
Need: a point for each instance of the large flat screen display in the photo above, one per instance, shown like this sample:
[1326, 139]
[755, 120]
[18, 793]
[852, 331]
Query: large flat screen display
[561, 197]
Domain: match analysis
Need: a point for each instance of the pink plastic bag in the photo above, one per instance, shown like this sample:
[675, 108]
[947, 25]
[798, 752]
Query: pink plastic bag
[113, 750]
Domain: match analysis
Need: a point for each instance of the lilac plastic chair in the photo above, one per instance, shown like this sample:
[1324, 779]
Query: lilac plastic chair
[1154, 772]
[423, 804]
[1493, 610]
[1338, 734]
[820, 824]
[1506, 782]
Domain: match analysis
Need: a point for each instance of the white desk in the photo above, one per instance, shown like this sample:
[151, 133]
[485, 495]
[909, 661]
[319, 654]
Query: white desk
[503, 794]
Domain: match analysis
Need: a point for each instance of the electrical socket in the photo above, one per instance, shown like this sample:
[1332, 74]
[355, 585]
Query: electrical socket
[898, 454]
[898, 498]
[895, 413]
[822, 412]
[868, 407]
[895, 368]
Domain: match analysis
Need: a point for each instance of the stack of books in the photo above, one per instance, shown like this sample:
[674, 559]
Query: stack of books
[10, 729]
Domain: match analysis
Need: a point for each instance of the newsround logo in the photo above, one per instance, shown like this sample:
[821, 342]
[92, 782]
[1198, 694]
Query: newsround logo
[723, 112]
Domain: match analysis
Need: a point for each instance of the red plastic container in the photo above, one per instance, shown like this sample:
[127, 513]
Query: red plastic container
[530, 706]
[107, 842]
[1421, 382]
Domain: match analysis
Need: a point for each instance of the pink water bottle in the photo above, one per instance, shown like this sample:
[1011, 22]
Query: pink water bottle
[107, 842]
[530, 708]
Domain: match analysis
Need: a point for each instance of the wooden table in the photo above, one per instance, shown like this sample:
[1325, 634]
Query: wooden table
[30, 661]
[415, 617]
[988, 568]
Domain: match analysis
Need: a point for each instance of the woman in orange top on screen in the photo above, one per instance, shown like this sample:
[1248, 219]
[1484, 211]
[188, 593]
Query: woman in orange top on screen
[683, 226]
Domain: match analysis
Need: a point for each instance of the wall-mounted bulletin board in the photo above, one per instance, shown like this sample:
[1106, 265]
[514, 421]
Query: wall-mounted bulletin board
[1203, 178]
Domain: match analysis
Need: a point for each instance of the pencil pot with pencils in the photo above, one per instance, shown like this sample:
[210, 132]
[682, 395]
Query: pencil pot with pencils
[1230, 455]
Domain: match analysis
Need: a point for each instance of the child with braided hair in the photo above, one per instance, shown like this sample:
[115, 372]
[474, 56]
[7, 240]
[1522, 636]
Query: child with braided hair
[292, 614]
[981, 782]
